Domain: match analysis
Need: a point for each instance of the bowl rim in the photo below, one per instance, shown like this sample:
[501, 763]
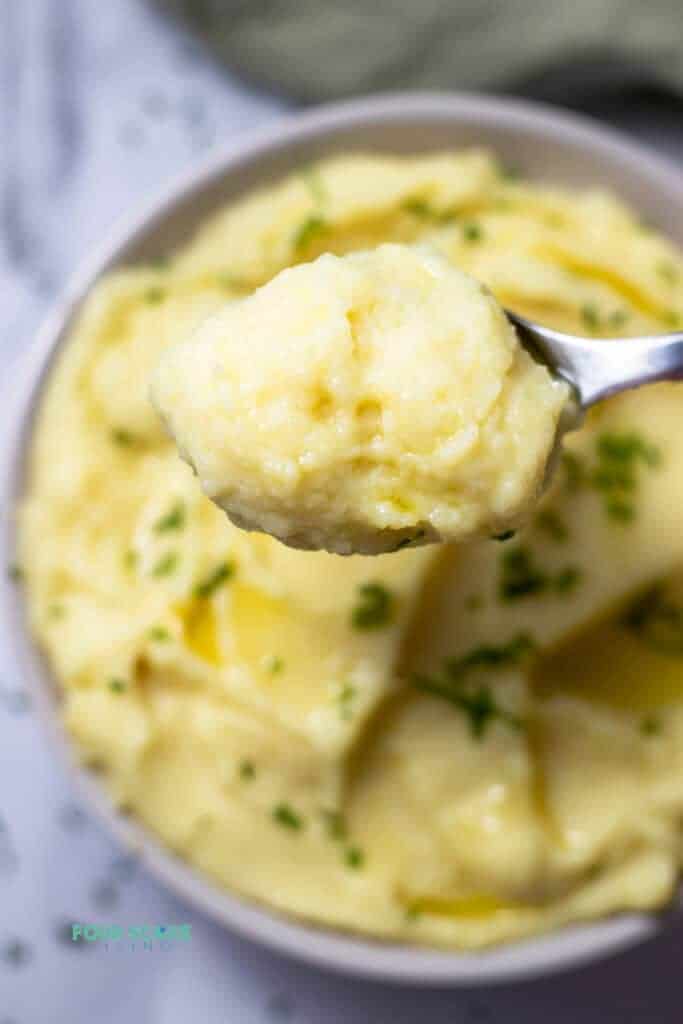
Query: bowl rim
[358, 955]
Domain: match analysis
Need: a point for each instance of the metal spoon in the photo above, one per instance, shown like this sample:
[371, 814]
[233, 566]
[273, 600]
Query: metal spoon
[598, 368]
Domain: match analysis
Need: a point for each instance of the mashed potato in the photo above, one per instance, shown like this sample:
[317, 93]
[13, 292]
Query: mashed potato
[452, 745]
[363, 403]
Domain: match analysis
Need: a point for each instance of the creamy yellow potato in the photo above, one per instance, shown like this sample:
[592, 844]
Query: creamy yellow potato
[455, 746]
[363, 403]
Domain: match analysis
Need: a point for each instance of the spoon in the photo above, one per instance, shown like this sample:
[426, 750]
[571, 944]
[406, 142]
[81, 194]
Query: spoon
[598, 368]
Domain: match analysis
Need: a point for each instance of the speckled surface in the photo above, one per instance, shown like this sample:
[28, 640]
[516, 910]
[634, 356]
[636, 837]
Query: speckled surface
[101, 103]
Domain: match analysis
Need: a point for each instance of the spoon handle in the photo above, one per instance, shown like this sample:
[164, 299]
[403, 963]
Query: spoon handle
[598, 368]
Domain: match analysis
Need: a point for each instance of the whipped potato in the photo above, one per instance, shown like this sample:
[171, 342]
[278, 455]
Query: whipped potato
[364, 403]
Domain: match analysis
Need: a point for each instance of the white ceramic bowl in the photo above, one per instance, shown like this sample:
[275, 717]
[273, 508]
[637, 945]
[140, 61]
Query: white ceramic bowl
[546, 145]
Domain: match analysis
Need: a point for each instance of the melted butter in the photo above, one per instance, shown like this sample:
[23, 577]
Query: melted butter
[637, 297]
[475, 905]
[610, 664]
[200, 630]
[267, 625]
[263, 622]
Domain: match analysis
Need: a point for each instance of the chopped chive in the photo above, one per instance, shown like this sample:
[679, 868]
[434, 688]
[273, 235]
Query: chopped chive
[345, 700]
[618, 318]
[354, 857]
[335, 824]
[123, 438]
[472, 232]
[590, 317]
[220, 575]
[159, 634]
[478, 706]
[174, 519]
[419, 207]
[312, 227]
[520, 577]
[286, 816]
[650, 726]
[155, 295]
[487, 656]
[247, 770]
[575, 472]
[627, 448]
[620, 511]
[232, 283]
[15, 573]
[117, 685]
[166, 565]
[274, 664]
[656, 617]
[610, 477]
[375, 608]
[615, 471]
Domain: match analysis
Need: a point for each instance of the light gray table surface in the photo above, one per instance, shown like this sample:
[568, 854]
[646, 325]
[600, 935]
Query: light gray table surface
[101, 103]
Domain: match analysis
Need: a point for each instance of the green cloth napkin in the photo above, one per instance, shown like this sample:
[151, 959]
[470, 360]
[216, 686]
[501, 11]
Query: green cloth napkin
[555, 49]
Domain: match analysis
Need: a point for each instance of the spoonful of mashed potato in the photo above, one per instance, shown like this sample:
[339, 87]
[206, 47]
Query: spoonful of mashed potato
[362, 404]
[383, 399]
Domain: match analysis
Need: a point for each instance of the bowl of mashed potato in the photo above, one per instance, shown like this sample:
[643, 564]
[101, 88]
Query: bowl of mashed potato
[454, 762]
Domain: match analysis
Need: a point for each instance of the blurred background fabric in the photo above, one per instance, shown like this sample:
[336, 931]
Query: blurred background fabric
[564, 52]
